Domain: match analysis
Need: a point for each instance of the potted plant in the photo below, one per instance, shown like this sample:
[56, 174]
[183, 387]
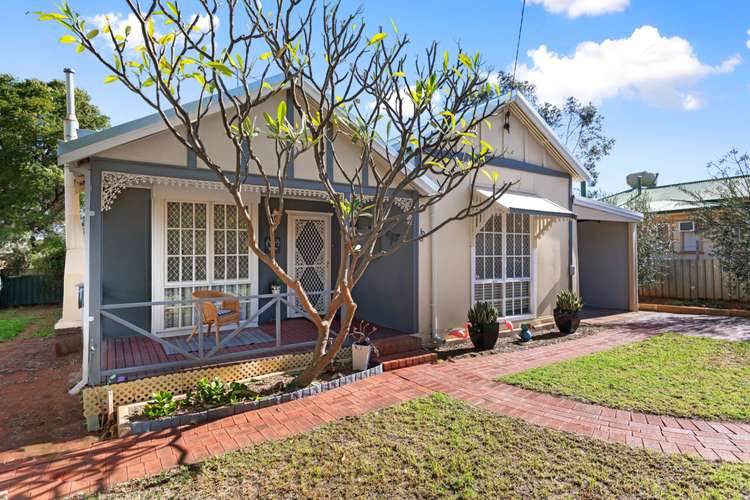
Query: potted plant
[484, 327]
[362, 347]
[276, 286]
[566, 312]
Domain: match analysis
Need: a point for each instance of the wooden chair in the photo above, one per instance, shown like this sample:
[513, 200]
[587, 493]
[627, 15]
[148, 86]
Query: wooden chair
[229, 312]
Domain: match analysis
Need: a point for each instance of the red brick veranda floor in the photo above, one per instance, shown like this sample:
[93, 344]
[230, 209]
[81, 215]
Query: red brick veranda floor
[471, 380]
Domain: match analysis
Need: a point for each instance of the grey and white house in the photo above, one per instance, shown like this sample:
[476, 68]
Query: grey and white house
[157, 226]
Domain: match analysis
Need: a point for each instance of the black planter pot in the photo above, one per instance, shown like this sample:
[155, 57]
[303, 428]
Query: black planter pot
[485, 336]
[490, 332]
[567, 322]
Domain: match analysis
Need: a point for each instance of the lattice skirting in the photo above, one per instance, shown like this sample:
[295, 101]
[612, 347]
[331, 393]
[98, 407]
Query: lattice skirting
[95, 398]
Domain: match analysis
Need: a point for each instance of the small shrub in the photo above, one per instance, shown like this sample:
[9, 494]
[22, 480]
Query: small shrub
[163, 405]
[568, 302]
[482, 313]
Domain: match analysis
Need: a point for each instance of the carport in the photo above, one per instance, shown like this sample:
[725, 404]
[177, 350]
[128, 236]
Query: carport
[607, 259]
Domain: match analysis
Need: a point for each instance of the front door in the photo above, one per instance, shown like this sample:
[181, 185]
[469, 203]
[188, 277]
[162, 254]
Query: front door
[309, 256]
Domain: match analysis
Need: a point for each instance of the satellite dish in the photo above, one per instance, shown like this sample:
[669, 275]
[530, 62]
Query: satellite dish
[648, 179]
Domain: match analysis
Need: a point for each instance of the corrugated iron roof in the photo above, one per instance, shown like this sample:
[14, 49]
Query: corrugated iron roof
[673, 197]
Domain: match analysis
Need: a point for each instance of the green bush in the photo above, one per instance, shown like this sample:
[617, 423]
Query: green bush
[162, 405]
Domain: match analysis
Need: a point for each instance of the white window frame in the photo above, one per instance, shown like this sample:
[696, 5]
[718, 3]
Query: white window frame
[532, 269]
[160, 195]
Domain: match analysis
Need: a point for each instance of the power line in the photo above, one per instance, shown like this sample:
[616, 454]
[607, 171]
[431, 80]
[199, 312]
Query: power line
[506, 126]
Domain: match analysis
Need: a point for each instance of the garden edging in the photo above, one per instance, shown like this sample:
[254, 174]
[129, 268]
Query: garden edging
[126, 426]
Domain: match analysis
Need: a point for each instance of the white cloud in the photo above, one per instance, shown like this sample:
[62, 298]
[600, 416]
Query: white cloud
[576, 8]
[407, 105]
[119, 22]
[646, 66]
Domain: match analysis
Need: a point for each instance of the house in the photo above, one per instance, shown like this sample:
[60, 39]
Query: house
[678, 203]
[692, 271]
[159, 226]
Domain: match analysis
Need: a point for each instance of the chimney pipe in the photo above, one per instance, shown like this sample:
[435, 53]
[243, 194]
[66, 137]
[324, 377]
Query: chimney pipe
[71, 121]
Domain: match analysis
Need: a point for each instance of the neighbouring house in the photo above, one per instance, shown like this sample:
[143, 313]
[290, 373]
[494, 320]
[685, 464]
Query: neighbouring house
[157, 226]
[694, 273]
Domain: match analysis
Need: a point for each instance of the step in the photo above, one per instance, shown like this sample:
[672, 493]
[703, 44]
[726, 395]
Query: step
[395, 345]
[404, 359]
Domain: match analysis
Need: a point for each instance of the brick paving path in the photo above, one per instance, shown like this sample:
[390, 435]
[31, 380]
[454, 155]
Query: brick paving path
[470, 379]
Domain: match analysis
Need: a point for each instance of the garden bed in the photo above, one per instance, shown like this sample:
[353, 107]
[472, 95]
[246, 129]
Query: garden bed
[509, 343]
[131, 420]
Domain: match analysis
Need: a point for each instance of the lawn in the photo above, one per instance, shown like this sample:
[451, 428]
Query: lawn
[666, 375]
[440, 447]
[38, 321]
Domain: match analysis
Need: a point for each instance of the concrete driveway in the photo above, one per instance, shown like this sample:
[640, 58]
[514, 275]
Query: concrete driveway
[719, 327]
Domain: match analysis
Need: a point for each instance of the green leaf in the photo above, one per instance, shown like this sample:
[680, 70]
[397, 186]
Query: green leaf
[267, 86]
[399, 74]
[377, 38]
[265, 55]
[50, 16]
[220, 67]
[173, 8]
[68, 39]
[148, 82]
[466, 60]
[281, 112]
[110, 79]
[395, 29]
[80, 48]
[92, 34]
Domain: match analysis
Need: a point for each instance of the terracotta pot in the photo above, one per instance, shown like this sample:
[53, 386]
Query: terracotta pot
[567, 322]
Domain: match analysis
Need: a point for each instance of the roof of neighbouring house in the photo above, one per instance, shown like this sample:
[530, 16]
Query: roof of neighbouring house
[673, 197]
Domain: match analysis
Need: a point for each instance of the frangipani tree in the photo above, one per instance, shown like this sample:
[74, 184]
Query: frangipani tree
[412, 118]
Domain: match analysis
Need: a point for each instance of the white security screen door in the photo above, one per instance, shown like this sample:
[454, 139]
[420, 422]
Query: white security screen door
[308, 254]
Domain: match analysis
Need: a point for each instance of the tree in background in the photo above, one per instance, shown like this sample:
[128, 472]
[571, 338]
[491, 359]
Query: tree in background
[655, 245]
[31, 182]
[724, 215]
[580, 126]
[356, 82]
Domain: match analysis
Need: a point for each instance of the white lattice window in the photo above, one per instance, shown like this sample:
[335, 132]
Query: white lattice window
[502, 264]
[206, 248]
[186, 242]
[231, 257]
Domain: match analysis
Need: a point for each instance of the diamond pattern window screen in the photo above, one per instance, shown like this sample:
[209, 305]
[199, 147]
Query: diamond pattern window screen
[231, 256]
[310, 257]
[502, 264]
[192, 264]
[186, 242]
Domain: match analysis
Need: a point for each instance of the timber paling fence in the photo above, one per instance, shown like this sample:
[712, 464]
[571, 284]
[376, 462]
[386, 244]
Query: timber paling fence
[695, 279]
[30, 290]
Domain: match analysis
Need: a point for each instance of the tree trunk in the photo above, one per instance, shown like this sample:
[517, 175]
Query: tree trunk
[316, 366]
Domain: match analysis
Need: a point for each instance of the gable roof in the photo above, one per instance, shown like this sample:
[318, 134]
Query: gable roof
[93, 142]
[547, 137]
[673, 197]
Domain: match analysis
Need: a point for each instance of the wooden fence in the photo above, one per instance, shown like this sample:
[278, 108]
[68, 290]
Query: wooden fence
[695, 279]
[30, 291]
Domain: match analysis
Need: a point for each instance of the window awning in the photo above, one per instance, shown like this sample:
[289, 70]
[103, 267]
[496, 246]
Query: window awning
[531, 204]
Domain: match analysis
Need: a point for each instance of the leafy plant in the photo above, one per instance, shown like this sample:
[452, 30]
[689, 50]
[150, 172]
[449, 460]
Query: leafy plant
[482, 313]
[209, 394]
[162, 405]
[240, 392]
[569, 302]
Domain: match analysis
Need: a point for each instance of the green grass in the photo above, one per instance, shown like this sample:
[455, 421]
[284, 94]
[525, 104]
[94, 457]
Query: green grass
[666, 375]
[38, 321]
[10, 328]
[440, 447]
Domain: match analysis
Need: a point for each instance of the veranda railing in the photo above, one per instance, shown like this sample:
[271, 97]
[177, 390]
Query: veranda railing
[217, 354]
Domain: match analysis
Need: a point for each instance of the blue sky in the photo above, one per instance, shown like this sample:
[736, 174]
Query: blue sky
[672, 77]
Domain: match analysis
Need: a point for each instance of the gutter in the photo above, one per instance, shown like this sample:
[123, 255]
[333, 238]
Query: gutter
[433, 282]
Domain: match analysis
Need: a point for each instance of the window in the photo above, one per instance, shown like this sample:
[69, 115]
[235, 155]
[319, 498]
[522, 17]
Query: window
[502, 264]
[206, 248]
[689, 241]
[686, 226]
